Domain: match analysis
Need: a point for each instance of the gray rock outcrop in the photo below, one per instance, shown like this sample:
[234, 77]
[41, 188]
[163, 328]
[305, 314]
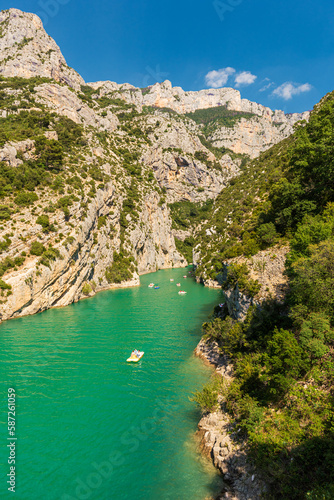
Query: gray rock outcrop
[250, 136]
[28, 51]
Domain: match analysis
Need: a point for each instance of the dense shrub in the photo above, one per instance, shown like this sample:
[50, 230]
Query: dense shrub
[44, 221]
[49, 255]
[86, 289]
[219, 116]
[4, 285]
[65, 202]
[5, 243]
[284, 369]
[25, 199]
[267, 233]
[186, 214]
[50, 152]
[238, 274]
[207, 399]
[5, 212]
[307, 185]
[312, 279]
[102, 220]
[185, 247]
[121, 269]
[37, 248]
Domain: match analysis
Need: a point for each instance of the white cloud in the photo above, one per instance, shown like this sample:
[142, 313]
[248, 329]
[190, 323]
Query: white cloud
[267, 86]
[244, 78]
[288, 89]
[217, 79]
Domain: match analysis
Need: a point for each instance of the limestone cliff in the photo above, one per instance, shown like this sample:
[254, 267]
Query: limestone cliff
[248, 136]
[27, 50]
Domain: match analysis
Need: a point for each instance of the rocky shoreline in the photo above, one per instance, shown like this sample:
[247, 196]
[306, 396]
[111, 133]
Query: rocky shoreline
[220, 442]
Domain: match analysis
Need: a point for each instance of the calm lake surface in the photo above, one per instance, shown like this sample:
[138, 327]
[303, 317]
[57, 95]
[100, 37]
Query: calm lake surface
[90, 425]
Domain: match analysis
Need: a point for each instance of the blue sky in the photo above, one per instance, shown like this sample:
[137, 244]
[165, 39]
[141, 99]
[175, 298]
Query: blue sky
[279, 54]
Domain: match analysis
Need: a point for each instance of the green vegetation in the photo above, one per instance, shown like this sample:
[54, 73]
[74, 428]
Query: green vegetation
[86, 289]
[5, 212]
[121, 269]
[203, 157]
[238, 213]
[112, 101]
[265, 204]
[44, 221]
[220, 116]
[282, 396]
[9, 263]
[23, 126]
[207, 399]
[30, 124]
[307, 182]
[50, 152]
[185, 247]
[238, 274]
[4, 286]
[102, 220]
[145, 90]
[25, 199]
[129, 207]
[186, 215]
[49, 255]
[23, 42]
[5, 243]
[65, 202]
[219, 152]
[88, 92]
[37, 248]
[21, 181]
[23, 84]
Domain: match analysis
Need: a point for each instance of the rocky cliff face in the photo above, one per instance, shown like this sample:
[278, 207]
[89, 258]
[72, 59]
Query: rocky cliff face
[267, 267]
[85, 252]
[99, 171]
[248, 136]
[220, 441]
[28, 51]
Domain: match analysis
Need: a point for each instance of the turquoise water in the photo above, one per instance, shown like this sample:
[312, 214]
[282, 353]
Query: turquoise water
[91, 426]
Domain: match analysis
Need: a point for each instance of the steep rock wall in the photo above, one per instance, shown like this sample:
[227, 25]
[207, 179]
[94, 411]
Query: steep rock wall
[28, 51]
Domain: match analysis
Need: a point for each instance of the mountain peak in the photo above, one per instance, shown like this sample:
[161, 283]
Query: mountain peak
[27, 50]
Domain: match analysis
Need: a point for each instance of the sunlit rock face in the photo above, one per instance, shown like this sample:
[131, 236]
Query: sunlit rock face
[27, 50]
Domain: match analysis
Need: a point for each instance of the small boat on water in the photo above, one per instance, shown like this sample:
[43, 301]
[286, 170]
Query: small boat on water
[182, 292]
[178, 284]
[184, 276]
[172, 279]
[135, 356]
[151, 285]
[156, 287]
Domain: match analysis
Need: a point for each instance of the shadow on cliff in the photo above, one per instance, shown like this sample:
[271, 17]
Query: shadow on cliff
[306, 468]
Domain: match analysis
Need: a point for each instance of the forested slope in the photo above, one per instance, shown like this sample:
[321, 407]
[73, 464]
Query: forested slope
[282, 395]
